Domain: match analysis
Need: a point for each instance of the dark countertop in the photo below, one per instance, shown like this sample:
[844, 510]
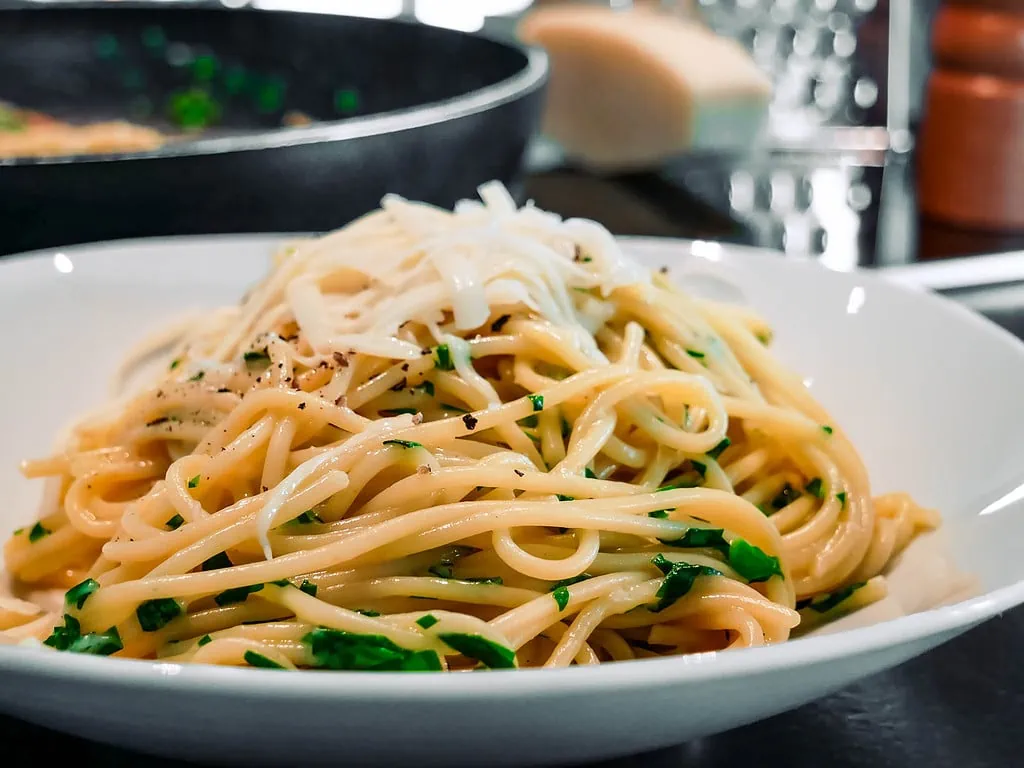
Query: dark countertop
[957, 706]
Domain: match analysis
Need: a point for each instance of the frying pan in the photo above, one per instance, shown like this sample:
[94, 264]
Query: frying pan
[423, 112]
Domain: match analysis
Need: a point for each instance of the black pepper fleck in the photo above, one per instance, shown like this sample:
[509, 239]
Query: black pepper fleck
[302, 406]
[405, 366]
[470, 421]
[519, 472]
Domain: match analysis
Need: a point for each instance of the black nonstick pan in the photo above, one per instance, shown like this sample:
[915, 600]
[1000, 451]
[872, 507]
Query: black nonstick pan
[423, 112]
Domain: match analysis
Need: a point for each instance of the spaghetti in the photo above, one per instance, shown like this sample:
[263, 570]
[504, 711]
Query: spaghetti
[446, 440]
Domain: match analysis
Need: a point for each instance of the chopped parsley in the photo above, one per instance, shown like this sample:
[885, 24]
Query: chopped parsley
[387, 412]
[37, 532]
[443, 569]
[308, 587]
[69, 637]
[175, 522]
[563, 497]
[816, 488]
[715, 452]
[204, 640]
[175, 363]
[281, 583]
[538, 402]
[570, 581]
[825, 603]
[752, 562]
[842, 499]
[443, 358]
[198, 376]
[308, 517]
[696, 538]
[699, 468]
[487, 652]
[785, 497]
[695, 354]
[561, 596]
[154, 615]
[337, 650]
[427, 620]
[79, 593]
[679, 579]
[236, 595]
[368, 612]
[589, 473]
[529, 421]
[193, 481]
[674, 487]
[660, 514]
[450, 407]
[256, 360]
[404, 443]
[217, 561]
[254, 659]
[826, 429]
[427, 387]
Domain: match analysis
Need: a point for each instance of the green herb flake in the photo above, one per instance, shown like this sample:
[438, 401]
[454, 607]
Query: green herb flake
[816, 488]
[751, 562]
[198, 376]
[566, 428]
[427, 621]
[337, 650]
[842, 499]
[403, 443]
[427, 387]
[715, 452]
[204, 640]
[674, 487]
[660, 514]
[679, 579]
[193, 481]
[308, 518]
[450, 407]
[236, 595]
[175, 363]
[368, 612]
[538, 402]
[492, 655]
[698, 538]
[154, 615]
[18, 531]
[570, 581]
[37, 532]
[254, 659]
[443, 358]
[79, 593]
[281, 583]
[589, 473]
[69, 638]
[256, 360]
[443, 569]
[346, 100]
[563, 497]
[529, 421]
[827, 429]
[308, 587]
[825, 603]
[217, 561]
[695, 354]
[389, 412]
[561, 596]
[699, 468]
[785, 497]
[175, 522]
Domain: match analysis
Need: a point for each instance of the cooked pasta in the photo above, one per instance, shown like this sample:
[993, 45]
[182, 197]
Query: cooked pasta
[450, 440]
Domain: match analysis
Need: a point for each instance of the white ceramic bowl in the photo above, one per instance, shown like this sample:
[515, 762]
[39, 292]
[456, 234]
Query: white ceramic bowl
[930, 393]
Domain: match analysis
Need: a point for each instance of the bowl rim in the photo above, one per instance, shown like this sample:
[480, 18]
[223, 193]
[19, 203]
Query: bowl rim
[533, 75]
[940, 622]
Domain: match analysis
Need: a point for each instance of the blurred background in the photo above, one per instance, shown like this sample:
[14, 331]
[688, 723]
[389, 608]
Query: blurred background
[837, 171]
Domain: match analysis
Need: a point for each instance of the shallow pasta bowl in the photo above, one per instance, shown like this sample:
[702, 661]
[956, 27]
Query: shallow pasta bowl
[926, 390]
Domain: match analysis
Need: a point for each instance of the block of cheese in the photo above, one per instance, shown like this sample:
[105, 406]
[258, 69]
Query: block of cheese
[630, 88]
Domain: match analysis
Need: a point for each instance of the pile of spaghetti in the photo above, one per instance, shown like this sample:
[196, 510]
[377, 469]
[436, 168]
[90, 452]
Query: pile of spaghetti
[450, 440]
